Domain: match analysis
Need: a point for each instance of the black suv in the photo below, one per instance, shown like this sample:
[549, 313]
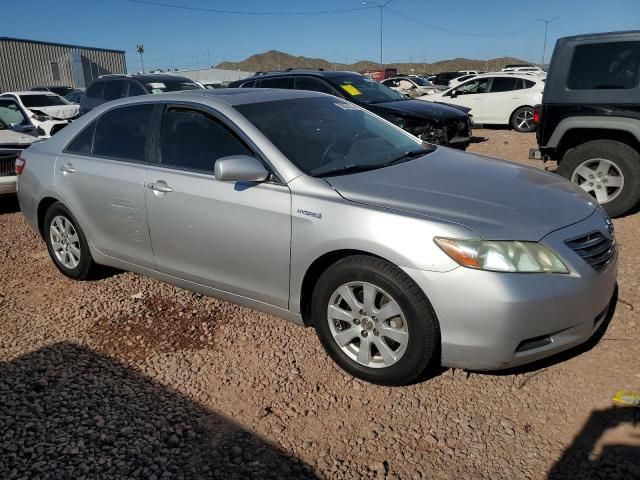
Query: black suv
[436, 123]
[589, 120]
[111, 87]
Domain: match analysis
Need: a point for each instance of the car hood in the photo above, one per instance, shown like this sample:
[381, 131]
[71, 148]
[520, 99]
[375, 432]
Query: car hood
[499, 200]
[419, 109]
[11, 139]
[59, 112]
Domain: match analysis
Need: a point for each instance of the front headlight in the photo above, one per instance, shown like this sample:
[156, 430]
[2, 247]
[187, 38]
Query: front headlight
[502, 256]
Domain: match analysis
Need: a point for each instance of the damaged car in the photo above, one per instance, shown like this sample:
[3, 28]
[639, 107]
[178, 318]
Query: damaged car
[431, 122]
[48, 113]
[12, 143]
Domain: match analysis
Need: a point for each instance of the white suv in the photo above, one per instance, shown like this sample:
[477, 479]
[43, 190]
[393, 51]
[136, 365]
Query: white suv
[497, 99]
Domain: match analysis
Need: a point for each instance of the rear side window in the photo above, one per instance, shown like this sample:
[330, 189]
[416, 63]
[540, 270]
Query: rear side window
[95, 90]
[122, 133]
[83, 142]
[502, 84]
[274, 83]
[191, 140]
[312, 84]
[601, 66]
[113, 90]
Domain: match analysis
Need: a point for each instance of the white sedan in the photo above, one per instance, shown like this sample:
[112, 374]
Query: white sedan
[496, 99]
[48, 112]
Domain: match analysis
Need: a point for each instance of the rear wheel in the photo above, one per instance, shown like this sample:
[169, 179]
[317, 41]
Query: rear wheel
[607, 170]
[374, 321]
[66, 243]
[522, 120]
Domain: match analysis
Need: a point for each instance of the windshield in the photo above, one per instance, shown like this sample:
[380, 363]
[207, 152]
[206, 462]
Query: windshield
[328, 136]
[365, 90]
[35, 101]
[171, 86]
[422, 82]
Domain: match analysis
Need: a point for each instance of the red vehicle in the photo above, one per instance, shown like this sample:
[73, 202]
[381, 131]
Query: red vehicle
[380, 75]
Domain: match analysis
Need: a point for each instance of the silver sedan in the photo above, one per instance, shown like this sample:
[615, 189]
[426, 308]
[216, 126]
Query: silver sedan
[305, 206]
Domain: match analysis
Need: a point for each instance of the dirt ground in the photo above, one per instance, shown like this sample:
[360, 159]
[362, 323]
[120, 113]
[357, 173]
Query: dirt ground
[125, 377]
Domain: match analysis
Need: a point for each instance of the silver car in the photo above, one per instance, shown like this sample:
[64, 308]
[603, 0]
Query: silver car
[307, 207]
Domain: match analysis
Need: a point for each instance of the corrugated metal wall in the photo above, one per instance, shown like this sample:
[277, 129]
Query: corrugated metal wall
[27, 64]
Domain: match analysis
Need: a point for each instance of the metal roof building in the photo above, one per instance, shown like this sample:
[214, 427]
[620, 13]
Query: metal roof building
[28, 63]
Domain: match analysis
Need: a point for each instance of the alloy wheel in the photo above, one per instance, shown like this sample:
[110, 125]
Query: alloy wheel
[367, 324]
[599, 177]
[65, 242]
[524, 119]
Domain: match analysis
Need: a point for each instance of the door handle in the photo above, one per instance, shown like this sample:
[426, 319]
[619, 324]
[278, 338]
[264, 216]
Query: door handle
[68, 168]
[160, 186]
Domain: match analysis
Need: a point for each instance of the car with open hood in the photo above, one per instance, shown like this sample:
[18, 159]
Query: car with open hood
[11, 145]
[398, 252]
[435, 123]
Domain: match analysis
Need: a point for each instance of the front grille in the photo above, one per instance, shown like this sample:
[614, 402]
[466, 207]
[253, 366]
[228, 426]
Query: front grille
[8, 162]
[596, 249]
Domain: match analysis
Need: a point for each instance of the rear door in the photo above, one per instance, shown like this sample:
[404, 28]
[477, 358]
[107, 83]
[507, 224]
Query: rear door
[233, 237]
[505, 94]
[100, 176]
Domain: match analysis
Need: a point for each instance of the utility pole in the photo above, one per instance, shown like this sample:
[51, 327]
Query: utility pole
[546, 28]
[381, 6]
[140, 50]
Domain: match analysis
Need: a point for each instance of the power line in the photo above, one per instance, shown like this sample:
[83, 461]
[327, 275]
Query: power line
[467, 34]
[240, 12]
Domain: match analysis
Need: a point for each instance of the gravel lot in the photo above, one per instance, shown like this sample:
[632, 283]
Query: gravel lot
[125, 377]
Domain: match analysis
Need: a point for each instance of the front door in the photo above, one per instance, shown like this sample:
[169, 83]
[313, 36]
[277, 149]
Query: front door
[101, 178]
[470, 94]
[233, 237]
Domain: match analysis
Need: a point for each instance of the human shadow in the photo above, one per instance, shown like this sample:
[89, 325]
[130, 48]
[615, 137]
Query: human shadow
[582, 460]
[69, 412]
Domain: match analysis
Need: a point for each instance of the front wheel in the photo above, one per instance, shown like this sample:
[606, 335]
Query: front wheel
[607, 170]
[66, 243]
[522, 120]
[374, 321]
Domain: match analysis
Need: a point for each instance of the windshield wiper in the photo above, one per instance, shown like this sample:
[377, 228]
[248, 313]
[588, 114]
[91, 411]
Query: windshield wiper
[350, 169]
[409, 154]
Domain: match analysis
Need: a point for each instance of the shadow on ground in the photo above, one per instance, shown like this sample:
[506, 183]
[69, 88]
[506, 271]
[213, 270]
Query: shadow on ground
[68, 412]
[9, 204]
[583, 458]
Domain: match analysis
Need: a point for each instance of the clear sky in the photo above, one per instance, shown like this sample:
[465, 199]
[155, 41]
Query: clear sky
[184, 38]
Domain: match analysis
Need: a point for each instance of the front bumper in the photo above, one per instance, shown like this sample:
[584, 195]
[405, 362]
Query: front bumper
[492, 321]
[8, 185]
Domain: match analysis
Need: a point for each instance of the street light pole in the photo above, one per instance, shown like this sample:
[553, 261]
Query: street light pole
[381, 6]
[546, 29]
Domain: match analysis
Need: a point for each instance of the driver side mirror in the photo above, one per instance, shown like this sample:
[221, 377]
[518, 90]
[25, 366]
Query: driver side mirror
[240, 168]
[454, 93]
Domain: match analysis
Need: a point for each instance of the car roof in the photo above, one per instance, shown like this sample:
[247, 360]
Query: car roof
[33, 92]
[534, 78]
[307, 73]
[147, 78]
[231, 96]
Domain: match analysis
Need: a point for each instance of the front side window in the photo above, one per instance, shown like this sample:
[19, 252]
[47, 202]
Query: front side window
[605, 66]
[504, 84]
[471, 87]
[95, 90]
[364, 90]
[328, 136]
[135, 90]
[192, 140]
[312, 84]
[122, 133]
[34, 101]
[113, 90]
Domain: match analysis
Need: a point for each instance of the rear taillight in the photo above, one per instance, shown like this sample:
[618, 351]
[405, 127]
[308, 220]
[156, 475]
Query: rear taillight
[20, 163]
[536, 114]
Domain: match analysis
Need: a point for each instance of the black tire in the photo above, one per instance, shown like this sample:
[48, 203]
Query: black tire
[86, 266]
[625, 159]
[516, 121]
[423, 333]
